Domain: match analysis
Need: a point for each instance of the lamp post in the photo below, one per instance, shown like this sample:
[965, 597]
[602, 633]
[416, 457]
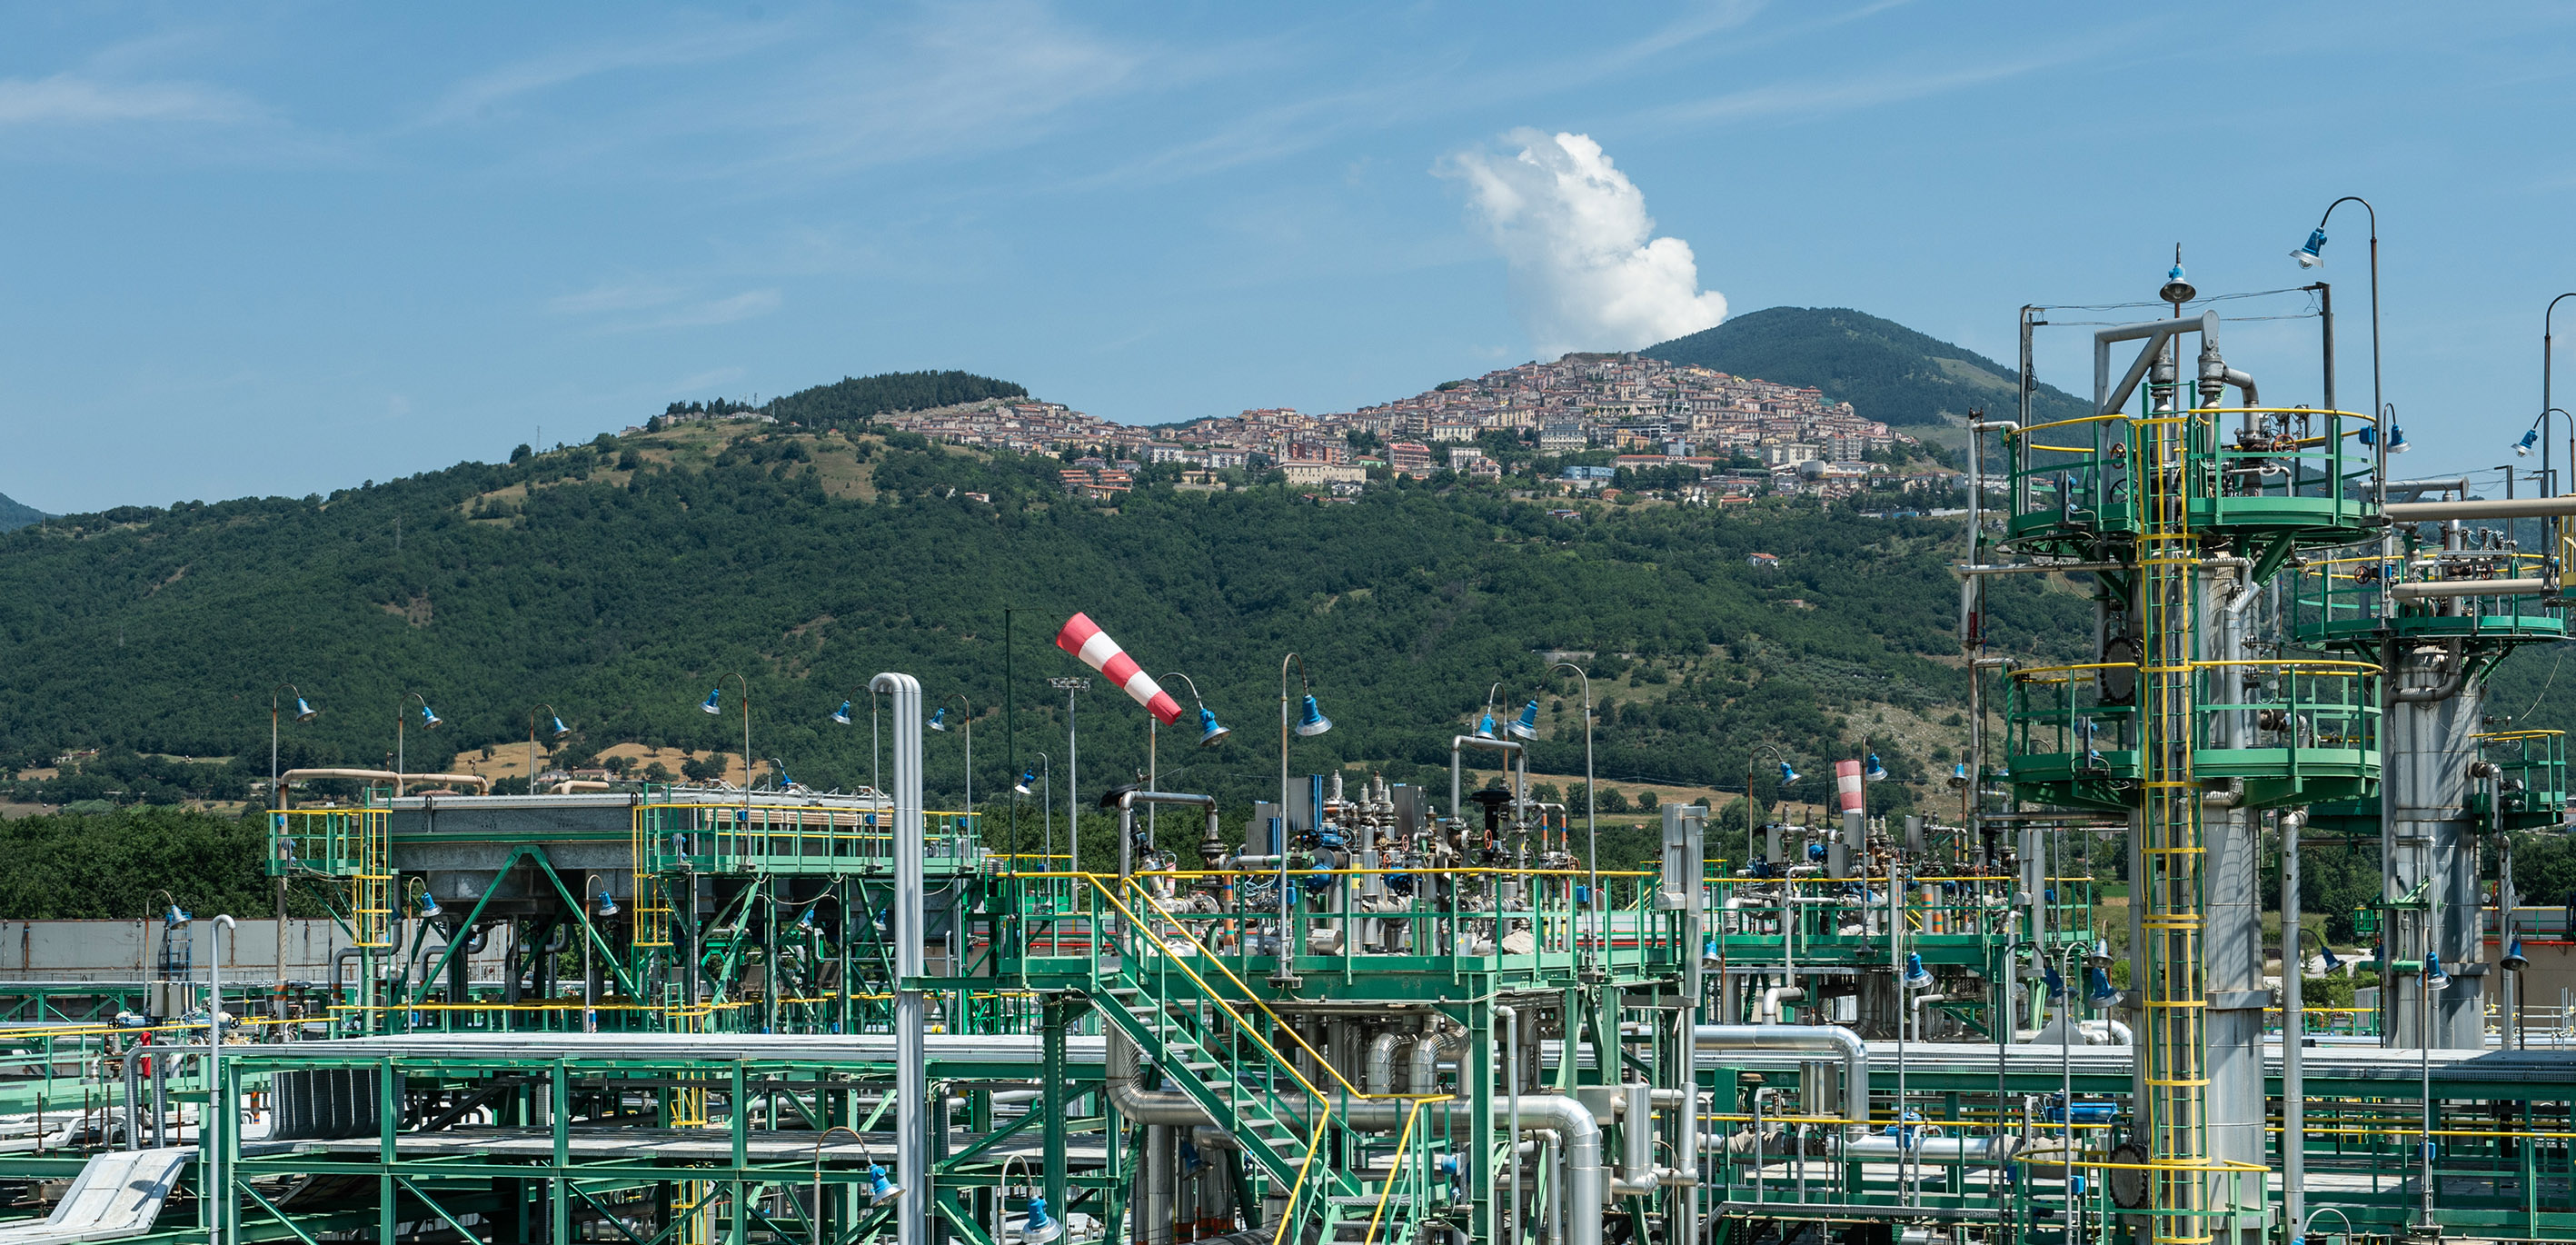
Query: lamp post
[558, 731]
[429, 721]
[2545, 396]
[1591, 831]
[1209, 735]
[1310, 722]
[1070, 684]
[714, 705]
[2538, 434]
[2311, 254]
[1752, 826]
[939, 723]
[1046, 805]
[303, 713]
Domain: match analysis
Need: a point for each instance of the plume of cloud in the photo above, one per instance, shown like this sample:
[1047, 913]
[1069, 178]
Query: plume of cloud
[1587, 271]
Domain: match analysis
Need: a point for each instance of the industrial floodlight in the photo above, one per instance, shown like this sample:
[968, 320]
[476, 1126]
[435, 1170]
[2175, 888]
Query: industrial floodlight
[1040, 1227]
[1485, 726]
[1917, 977]
[805, 919]
[2101, 953]
[2434, 977]
[429, 720]
[2311, 254]
[2396, 439]
[1959, 775]
[2514, 960]
[2332, 960]
[305, 712]
[561, 730]
[429, 909]
[1209, 731]
[2097, 987]
[607, 904]
[2177, 290]
[2056, 984]
[880, 1189]
[1027, 776]
[1872, 770]
[175, 917]
[842, 714]
[1526, 725]
[939, 720]
[2521, 449]
[714, 702]
[1787, 775]
[1311, 721]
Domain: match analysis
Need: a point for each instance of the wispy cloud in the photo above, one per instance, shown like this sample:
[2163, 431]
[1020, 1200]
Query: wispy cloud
[1822, 97]
[72, 100]
[480, 96]
[743, 306]
[615, 296]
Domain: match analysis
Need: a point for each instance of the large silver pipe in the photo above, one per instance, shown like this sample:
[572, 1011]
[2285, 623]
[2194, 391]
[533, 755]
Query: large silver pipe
[1378, 1074]
[1154, 1220]
[2108, 398]
[2294, 965]
[2472, 588]
[1828, 1039]
[912, 1135]
[2493, 508]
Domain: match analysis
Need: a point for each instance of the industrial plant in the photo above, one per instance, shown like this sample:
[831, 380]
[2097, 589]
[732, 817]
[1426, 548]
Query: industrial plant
[1388, 1014]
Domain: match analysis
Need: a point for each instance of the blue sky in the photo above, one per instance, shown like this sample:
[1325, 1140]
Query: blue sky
[283, 248]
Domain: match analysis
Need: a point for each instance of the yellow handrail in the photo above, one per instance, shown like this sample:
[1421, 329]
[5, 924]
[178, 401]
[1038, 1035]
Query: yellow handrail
[1401, 1141]
[1288, 1210]
[1248, 1030]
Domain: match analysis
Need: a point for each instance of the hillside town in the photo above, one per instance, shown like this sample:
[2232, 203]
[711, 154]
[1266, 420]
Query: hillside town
[1736, 435]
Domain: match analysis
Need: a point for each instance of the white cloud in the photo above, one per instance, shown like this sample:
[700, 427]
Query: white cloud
[743, 306]
[616, 296]
[64, 99]
[1587, 272]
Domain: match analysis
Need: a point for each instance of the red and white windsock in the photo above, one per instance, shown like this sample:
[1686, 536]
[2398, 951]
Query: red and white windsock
[1084, 639]
[1847, 785]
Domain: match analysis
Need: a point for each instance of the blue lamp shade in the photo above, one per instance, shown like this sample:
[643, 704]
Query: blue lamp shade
[607, 904]
[2434, 977]
[1040, 1227]
[305, 712]
[714, 702]
[429, 909]
[2056, 984]
[1311, 721]
[2396, 439]
[1027, 776]
[1209, 730]
[805, 919]
[2311, 253]
[1917, 977]
[842, 714]
[939, 720]
[1526, 725]
[1787, 775]
[2093, 760]
[2332, 960]
[561, 730]
[880, 1189]
[2514, 960]
[1485, 726]
[2097, 987]
[1874, 771]
[429, 720]
[1959, 774]
[176, 917]
[2521, 449]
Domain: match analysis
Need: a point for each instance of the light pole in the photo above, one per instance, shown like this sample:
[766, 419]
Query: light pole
[1752, 823]
[1069, 685]
[1209, 735]
[1591, 831]
[1310, 722]
[1046, 805]
[2545, 402]
[713, 706]
[558, 731]
[303, 713]
[939, 723]
[2538, 434]
[2309, 255]
[429, 721]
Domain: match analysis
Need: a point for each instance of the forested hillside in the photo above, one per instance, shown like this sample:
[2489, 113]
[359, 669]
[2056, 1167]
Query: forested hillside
[619, 581]
[15, 515]
[853, 401]
[1884, 369]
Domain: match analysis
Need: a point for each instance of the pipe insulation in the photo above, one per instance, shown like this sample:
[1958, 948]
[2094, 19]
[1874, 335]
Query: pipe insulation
[912, 1219]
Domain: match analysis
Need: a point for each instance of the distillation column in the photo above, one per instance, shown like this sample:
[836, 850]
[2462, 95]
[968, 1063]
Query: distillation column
[2427, 835]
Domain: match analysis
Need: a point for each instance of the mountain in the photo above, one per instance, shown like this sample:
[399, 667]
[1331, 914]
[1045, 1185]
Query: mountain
[14, 516]
[1885, 370]
[622, 579]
